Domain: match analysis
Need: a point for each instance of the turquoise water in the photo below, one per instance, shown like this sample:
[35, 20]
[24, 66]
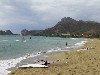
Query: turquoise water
[11, 46]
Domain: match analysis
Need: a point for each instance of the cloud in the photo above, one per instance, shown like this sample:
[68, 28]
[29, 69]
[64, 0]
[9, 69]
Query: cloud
[41, 14]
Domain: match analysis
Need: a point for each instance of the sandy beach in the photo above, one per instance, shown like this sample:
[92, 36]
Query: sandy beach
[82, 61]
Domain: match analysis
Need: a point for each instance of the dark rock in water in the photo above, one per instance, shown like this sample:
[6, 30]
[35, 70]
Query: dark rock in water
[7, 32]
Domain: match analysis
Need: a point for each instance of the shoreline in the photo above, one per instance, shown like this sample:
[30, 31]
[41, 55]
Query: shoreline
[32, 58]
[83, 60]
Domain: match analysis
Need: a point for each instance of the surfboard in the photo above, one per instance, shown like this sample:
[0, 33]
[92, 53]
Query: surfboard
[33, 66]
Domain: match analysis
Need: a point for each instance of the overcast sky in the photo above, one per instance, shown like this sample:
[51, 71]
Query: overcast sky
[40, 14]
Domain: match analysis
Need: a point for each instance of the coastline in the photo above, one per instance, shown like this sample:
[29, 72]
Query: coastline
[84, 60]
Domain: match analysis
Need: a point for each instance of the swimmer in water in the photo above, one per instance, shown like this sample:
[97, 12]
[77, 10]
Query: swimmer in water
[66, 43]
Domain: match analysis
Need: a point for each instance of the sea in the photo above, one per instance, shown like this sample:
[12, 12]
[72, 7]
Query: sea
[13, 50]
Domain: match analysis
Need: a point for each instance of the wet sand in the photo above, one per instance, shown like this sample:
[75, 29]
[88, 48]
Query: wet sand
[82, 61]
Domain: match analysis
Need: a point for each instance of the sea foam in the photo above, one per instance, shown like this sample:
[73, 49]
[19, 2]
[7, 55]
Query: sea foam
[17, 40]
[6, 64]
[80, 43]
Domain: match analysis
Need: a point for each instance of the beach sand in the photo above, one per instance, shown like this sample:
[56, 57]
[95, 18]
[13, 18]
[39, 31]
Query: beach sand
[82, 61]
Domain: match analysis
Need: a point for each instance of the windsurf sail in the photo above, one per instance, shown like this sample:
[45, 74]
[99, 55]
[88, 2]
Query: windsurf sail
[22, 38]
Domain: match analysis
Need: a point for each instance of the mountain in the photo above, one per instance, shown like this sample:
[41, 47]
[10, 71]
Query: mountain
[71, 28]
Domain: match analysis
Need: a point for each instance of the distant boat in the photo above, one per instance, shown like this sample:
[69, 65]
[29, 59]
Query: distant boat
[23, 39]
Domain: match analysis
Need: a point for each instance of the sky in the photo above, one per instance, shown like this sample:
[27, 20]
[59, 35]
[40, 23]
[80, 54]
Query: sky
[16, 15]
